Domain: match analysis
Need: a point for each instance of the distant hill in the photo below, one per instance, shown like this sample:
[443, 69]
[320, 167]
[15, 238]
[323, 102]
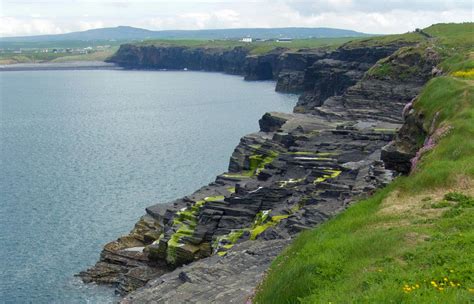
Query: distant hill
[132, 33]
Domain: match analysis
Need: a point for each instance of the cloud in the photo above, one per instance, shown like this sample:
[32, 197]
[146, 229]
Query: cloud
[32, 26]
[306, 7]
[24, 17]
[88, 25]
[225, 18]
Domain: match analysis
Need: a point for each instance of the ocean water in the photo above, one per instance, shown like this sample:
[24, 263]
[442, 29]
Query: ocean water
[82, 153]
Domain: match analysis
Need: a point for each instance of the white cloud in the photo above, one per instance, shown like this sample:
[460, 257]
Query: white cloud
[225, 18]
[88, 25]
[32, 26]
[371, 16]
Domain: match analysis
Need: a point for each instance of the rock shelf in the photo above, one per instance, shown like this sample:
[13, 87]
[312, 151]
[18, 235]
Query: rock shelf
[299, 170]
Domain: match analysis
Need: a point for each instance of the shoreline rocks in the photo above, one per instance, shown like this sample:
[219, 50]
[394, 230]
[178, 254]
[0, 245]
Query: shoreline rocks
[298, 171]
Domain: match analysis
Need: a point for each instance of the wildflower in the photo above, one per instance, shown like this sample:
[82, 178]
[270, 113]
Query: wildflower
[445, 279]
[451, 271]
[417, 286]
[434, 283]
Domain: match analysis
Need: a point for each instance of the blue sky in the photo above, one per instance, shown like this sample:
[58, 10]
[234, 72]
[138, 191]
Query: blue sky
[33, 17]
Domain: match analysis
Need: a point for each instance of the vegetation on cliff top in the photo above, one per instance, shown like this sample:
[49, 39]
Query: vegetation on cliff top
[412, 242]
[34, 57]
[256, 47]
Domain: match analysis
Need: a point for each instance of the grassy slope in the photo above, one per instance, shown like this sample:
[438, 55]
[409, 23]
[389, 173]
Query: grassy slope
[407, 243]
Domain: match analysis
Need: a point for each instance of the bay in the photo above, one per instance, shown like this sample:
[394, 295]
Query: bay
[84, 152]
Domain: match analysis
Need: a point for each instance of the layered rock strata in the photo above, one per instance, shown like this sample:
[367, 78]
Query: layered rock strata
[299, 170]
[231, 61]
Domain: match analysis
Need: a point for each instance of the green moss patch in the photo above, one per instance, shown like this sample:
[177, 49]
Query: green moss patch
[185, 222]
[262, 222]
[329, 175]
[257, 162]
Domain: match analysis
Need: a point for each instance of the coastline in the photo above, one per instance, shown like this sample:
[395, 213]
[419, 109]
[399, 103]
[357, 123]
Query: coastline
[73, 65]
[299, 170]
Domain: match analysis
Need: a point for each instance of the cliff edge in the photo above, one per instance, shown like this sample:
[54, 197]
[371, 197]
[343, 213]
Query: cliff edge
[300, 170]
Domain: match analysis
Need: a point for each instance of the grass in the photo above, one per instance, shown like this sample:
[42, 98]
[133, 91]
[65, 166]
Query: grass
[95, 56]
[401, 69]
[413, 241]
[257, 47]
[10, 58]
[31, 57]
[375, 251]
[459, 36]
[409, 38]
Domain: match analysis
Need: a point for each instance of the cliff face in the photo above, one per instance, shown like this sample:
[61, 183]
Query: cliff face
[317, 74]
[231, 61]
[332, 75]
[298, 171]
[263, 67]
[292, 69]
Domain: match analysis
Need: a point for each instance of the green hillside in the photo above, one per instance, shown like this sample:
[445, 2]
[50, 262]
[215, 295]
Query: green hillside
[412, 242]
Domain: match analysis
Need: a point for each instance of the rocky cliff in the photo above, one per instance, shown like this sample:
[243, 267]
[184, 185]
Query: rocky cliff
[231, 61]
[299, 170]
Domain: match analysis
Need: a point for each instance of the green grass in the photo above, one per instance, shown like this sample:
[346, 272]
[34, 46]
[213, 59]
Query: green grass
[31, 57]
[94, 56]
[413, 241]
[363, 256]
[62, 44]
[10, 58]
[257, 47]
[453, 35]
[409, 38]
[403, 68]
[455, 44]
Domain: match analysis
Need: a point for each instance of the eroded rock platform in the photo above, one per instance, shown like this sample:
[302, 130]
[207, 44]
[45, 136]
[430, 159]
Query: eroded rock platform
[298, 171]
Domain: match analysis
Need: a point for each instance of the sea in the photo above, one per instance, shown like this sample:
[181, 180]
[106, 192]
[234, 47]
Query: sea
[83, 152]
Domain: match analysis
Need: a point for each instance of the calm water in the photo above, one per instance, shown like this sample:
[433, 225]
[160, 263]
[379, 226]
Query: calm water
[84, 152]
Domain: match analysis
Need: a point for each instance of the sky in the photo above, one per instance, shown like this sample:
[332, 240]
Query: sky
[35, 17]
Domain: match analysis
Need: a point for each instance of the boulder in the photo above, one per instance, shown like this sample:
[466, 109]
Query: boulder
[273, 121]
